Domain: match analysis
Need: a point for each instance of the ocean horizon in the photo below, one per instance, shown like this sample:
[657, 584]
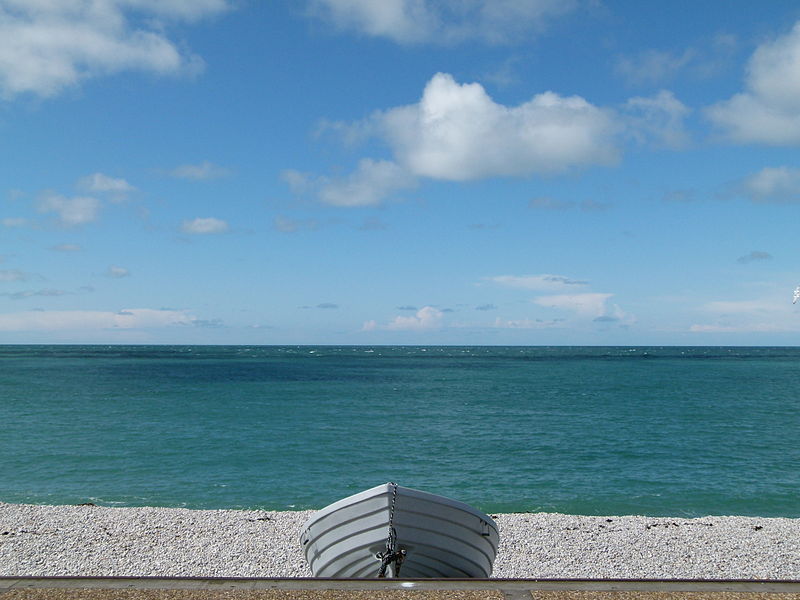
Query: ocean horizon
[590, 430]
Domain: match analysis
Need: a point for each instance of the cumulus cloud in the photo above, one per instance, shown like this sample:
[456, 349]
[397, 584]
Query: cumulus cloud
[537, 282]
[426, 318]
[441, 21]
[200, 172]
[589, 305]
[768, 110]
[116, 272]
[371, 182]
[117, 188]
[773, 184]
[658, 120]
[70, 212]
[652, 66]
[205, 226]
[456, 132]
[582, 305]
[594, 306]
[135, 318]
[658, 67]
[47, 46]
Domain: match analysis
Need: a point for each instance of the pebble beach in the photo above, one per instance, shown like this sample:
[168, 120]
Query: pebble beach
[102, 541]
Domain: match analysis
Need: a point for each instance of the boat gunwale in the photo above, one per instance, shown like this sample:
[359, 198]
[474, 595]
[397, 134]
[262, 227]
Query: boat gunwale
[382, 489]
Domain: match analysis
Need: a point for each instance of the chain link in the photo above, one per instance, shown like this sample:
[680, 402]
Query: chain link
[391, 555]
[391, 540]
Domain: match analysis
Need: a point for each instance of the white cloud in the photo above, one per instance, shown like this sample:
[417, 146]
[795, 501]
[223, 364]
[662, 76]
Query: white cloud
[396, 19]
[538, 282]
[300, 183]
[47, 45]
[657, 120]
[594, 306]
[457, 132]
[588, 305]
[652, 66]
[426, 318]
[98, 182]
[773, 184]
[372, 181]
[369, 184]
[768, 110]
[200, 172]
[773, 313]
[527, 323]
[202, 226]
[138, 318]
[116, 272]
[71, 212]
[14, 222]
[658, 67]
[441, 21]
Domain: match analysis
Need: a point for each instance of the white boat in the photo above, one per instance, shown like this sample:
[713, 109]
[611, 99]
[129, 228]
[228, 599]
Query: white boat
[394, 531]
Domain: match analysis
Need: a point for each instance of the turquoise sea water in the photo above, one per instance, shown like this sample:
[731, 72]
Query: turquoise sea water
[584, 430]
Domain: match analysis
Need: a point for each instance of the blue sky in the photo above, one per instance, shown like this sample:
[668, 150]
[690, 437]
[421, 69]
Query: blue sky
[399, 172]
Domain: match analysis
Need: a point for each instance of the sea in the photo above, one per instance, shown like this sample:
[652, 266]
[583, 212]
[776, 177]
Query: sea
[658, 431]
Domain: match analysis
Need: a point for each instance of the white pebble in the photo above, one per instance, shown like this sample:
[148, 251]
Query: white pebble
[101, 541]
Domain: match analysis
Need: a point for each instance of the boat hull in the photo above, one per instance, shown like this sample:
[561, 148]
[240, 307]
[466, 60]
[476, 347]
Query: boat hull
[441, 537]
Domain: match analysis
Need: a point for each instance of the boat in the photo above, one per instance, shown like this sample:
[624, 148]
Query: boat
[390, 530]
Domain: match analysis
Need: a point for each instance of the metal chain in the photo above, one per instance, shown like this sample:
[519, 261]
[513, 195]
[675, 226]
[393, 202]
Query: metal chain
[391, 539]
[391, 555]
